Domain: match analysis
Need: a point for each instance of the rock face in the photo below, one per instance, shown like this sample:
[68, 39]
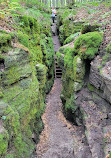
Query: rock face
[102, 80]
[26, 75]
[86, 95]
[91, 102]
[20, 101]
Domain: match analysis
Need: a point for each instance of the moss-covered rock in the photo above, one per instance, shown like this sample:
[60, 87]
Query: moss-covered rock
[66, 26]
[71, 38]
[5, 39]
[15, 68]
[4, 137]
[5, 42]
[78, 86]
[60, 60]
[41, 73]
[87, 44]
[23, 39]
[78, 69]
[89, 28]
[70, 108]
[27, 76]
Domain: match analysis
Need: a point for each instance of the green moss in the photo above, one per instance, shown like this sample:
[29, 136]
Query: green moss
[61, 49]
[21, 147]
[78, 86]
[89, 28]
[110, 155]
[105, 57]
[61, 34]
[78, 69]
[42, 35]
[36, 26]
[66, 24]
[3, 141]
[23, 39]
[37, 55]
[71, 38]
[45, 28]
[60, 60]
[30, 24]
[4, 49]
[70, 108]
[1, 94]
[24, 84]
[9, 156]
[5, 42]
[87, 44]
[67, 90]
[68, 59]
[3, 32]
[5, 39]
[41, 73]
[31, 21]
[25, 21]
[108, 49]
[91, 87]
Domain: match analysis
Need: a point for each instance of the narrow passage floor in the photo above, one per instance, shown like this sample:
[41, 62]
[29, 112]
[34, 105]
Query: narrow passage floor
[56, 140]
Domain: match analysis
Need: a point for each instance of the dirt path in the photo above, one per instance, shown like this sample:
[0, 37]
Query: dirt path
[56, 140]
[56, 41]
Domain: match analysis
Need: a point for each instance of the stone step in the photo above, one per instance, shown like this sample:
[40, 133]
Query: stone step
[58, 70]
[58, 76]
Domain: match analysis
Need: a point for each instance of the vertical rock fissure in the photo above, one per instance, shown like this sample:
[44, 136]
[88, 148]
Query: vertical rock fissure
[87, 70]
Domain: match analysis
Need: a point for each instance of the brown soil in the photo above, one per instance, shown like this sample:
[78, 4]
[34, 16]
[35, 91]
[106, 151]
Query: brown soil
[56, 140]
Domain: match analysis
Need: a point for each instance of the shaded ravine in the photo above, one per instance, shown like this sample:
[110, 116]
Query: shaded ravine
[56, 140]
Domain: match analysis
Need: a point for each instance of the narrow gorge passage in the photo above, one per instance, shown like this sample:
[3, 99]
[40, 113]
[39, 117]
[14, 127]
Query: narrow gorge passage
[56, 140]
